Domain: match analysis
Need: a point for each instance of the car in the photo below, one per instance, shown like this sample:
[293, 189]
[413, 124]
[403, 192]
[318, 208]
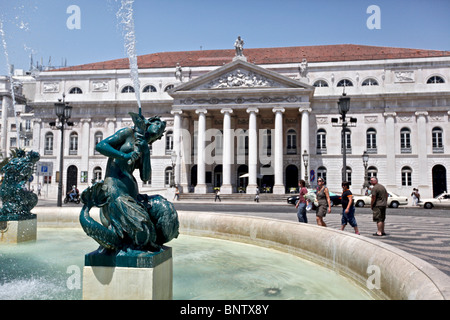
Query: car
[335, 199]
[393, 201]
[441, 201]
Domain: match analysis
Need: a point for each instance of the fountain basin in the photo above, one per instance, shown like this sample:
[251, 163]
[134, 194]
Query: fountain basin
[17, 230]
[388, 272]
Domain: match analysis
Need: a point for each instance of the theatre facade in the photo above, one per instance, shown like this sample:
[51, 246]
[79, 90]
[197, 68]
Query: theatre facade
[236, 122]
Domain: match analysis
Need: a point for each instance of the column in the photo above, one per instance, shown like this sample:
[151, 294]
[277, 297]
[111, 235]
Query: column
[201, 181]
[85, 146]
[227, 154]
[185, 154]
[176, 144]
[110, 127]
[4, 130]
[422, 138]
[253, 150]
[391, 149]
[278, 188]
[304, 144]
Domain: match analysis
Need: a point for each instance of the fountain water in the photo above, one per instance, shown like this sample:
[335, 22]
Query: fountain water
[125, 14]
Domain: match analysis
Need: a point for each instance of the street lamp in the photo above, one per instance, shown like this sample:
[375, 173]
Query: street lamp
[365, 159]
[344, 107]
[63, 112]
[173, 158]
[305, 156]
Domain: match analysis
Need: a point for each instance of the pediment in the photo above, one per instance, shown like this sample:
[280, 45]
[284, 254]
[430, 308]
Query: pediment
[239, 75]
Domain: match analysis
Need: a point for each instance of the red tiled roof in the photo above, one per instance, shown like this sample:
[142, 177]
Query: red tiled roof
[323, 53]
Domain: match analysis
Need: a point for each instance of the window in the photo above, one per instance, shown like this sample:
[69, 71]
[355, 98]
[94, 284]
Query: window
[405, 140]
[168, 177]
[97, 138]
[438, 146]
[97, 174]
[84, 177]
[169, 87]
[128, 89]
[267, 142]
[322, 173]
[345, 83]
[321, 141]
[13, 142]
[371, 140]
[291, 142]
[149, 88]
[218, 138]
[320, 83]
[169, 142]
[48, 149]
[370, 82]
[73, 143]
[348, 142]
[348, 174]
[242, 142]
[406, 176]
[75, 90]
[372, 172]
[435, 79]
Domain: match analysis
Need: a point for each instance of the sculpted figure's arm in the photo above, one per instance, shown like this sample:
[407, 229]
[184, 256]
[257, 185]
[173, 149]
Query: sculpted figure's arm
[110, 146]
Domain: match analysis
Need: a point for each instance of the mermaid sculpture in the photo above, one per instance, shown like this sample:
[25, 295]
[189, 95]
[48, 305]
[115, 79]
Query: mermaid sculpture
[129, 220]
[17, 201]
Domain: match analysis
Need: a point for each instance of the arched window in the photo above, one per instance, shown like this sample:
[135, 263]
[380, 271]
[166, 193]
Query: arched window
[149, 88]
[322, 173]
[75, 90]
[370, 82]
[406, 176]
[320, 83]
[438, 145]
[371, 140]
[73, 143]
[169, 87]
[405, 140]
[372, 172]
[97, 138]
[97, 174]
[168, 177]
[169, 142]
[348, 174]
[348, 142]
[435, 79]
[291, 141]
[48, 143]
[345, 83]
[128, 89]
[321, 141]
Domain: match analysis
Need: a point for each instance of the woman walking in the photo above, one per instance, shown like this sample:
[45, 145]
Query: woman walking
[323, 199]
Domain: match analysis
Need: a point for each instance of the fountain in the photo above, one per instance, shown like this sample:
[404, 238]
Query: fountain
[17, 223]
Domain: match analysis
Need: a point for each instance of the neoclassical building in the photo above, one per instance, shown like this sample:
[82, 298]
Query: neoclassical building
[236, 121]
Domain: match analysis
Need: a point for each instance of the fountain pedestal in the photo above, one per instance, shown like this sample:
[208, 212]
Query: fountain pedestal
[130, 275]
[21, 229]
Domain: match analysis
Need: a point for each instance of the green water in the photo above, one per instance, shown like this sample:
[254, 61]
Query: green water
[204, 268]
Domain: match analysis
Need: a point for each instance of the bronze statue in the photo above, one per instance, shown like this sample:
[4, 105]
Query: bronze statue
[129, 220]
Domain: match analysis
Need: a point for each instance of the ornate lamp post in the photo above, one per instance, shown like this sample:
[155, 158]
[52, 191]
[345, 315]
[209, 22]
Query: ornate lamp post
[63, 112]
[365, 159]
[305, 156]
[344, 107]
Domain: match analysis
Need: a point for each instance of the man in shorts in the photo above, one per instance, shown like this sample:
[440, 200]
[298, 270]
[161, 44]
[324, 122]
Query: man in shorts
[378, 205]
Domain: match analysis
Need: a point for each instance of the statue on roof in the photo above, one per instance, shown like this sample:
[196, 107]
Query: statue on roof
[239, 46]
[178, 72]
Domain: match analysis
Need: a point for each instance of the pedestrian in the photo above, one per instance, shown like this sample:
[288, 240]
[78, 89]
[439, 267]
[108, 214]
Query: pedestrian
[348, 208]
[378, 205]
[39, 187]
[415, 197]
[217, 196]
[323, 200]
[301, 203]
[257, 195]
[177, 194]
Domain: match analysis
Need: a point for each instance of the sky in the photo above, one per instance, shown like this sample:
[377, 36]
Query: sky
[40, 27]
